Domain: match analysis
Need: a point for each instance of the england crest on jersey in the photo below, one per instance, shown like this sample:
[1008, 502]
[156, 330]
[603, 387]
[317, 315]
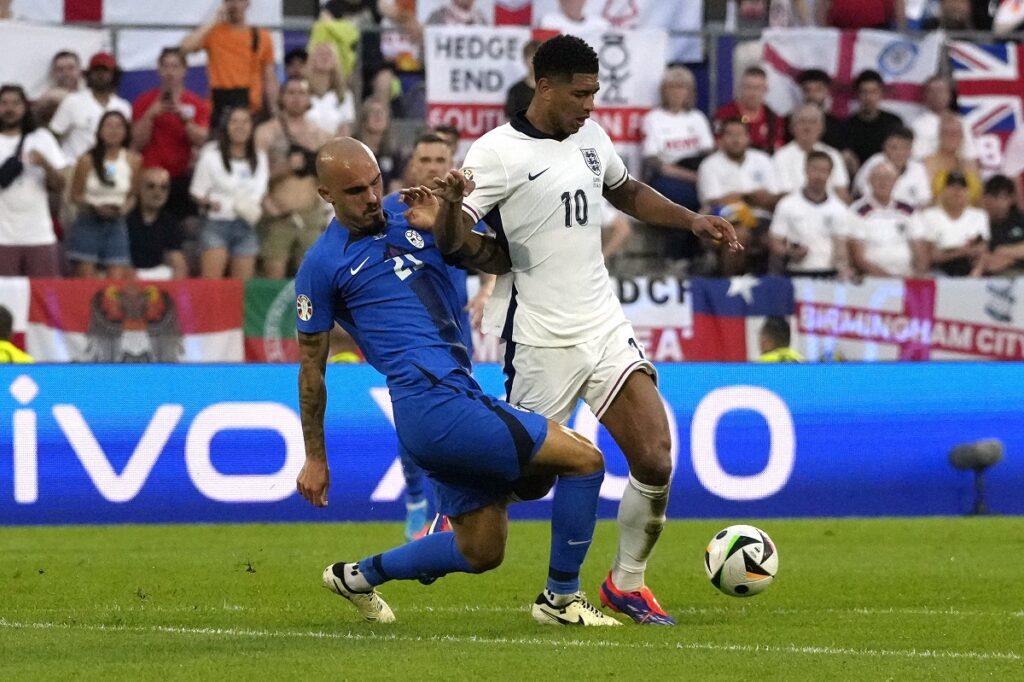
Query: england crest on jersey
[592, 159]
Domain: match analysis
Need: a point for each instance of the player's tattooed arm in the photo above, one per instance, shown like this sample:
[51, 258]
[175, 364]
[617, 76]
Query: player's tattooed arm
[650, 206]
[314, 478]
[453, 230]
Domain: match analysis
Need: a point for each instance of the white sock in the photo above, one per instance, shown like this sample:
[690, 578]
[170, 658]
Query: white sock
[641, 518]
[354, 579]
[558, 599]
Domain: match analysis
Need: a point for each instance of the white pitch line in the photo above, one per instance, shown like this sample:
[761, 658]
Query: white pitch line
[523, 641]
[469, 608]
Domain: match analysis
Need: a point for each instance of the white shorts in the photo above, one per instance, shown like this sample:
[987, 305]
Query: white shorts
[549, 381]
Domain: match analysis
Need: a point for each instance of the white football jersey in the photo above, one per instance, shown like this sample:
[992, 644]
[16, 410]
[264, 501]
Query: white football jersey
[543, 198]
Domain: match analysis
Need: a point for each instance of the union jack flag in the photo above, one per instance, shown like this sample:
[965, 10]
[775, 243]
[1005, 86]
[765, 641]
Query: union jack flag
[991, 91]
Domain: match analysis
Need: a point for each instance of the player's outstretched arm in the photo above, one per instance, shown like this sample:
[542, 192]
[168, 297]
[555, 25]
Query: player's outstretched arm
[650, 206]
[453, 229]
[314, 478]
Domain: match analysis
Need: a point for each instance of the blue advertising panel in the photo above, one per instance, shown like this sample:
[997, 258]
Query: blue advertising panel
[162, 443]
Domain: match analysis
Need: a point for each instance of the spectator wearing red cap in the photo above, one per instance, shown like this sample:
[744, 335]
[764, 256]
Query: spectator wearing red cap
[171, 122]
[79, 113]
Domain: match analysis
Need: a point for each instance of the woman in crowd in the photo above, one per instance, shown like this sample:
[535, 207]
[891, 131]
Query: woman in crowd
[676, 137]
[332, 104]
[228, 184]
[104, 187]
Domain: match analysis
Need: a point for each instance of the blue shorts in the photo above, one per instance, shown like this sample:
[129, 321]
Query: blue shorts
[97, 240]
[472, 446]
[236, 236]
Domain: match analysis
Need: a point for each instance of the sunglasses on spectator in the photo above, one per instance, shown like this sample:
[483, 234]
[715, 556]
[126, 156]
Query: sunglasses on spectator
[154, 185]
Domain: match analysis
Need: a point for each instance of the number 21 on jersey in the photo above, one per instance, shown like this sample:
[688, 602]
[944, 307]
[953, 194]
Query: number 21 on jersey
[403, 269]
[575, 207]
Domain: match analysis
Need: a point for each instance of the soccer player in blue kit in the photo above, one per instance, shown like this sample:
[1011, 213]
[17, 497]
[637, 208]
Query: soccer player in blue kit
[432, 158]
[386, 284]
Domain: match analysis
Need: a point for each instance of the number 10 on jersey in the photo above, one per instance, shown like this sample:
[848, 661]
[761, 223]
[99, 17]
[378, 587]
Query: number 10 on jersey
[575, 204]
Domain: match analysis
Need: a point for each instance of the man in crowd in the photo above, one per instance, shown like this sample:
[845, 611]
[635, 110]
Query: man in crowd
[881, 230]
[739, 182]
[816, 88]
[65, 78]
[239, 61]
[293, 214]
[154, 233]
[807, 124]
[808, 228]
[1006, 224]
[31, 163]
[170, 123]
[912, 185]
[868, 128]
[766, 128]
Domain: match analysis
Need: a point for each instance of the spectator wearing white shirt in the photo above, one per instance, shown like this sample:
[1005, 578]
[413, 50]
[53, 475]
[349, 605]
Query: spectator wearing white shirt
[881, 230]
[65, 78]
[808, 229]
[229, 182]
[938, 100]
[676, 137]
[569, 18]
[30, 163]
[738, 183]
[75, 120]
[912, 184]
[807, 124]
[737, 173]
[332, 103]
[955, 233]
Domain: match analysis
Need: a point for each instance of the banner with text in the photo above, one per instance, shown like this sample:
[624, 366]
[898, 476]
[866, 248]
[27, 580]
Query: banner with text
[893, 319]
[179, 444]
[470, 69]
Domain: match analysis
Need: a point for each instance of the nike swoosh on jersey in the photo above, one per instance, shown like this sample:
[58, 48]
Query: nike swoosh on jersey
[359, 267]
[578, 542]
[533, 177]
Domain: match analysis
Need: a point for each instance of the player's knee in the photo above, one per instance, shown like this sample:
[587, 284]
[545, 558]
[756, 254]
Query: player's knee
[651, 462]
[589, 460]
[484, 556]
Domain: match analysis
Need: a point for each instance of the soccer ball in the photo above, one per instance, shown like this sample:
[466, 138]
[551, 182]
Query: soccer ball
[741, 561]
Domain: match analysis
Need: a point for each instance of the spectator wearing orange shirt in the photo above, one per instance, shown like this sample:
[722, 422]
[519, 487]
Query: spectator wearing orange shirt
[239, 61]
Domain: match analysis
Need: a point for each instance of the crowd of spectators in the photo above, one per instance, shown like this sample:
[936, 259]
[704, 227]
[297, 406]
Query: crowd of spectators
[177, 183]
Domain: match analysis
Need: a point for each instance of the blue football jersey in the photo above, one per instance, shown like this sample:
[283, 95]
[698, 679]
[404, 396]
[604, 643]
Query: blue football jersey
[393, 294]
[394, 209]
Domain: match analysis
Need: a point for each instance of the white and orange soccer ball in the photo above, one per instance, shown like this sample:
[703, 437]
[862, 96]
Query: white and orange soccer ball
[741, 561]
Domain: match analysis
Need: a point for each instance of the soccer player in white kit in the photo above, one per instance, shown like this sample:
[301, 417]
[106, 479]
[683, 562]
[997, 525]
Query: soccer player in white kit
[540, 182]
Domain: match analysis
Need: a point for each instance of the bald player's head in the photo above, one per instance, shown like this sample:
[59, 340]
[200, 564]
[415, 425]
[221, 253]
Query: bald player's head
[350, 180]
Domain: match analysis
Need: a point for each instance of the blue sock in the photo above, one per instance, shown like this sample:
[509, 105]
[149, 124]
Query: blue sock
[415, 479]
[573, 516]
[431, 556]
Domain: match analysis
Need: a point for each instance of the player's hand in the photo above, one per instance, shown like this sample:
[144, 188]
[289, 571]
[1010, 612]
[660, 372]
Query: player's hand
[423, 206]
[453, 186]
[717, 229]
[313, 481]
[475, 308]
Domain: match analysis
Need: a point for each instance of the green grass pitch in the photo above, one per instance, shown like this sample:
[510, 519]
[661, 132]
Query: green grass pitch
[895, 599]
